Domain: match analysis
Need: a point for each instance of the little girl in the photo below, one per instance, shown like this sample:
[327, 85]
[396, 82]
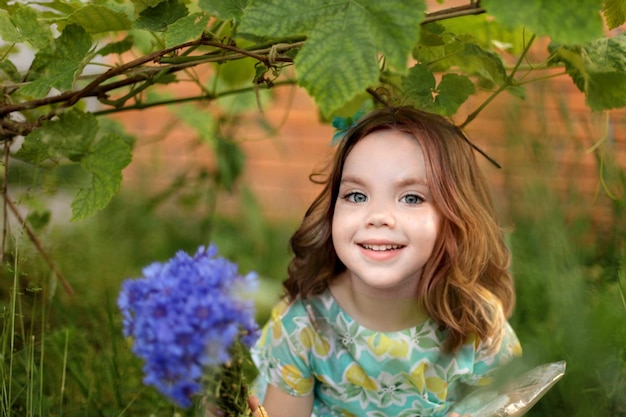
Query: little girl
[398, 293]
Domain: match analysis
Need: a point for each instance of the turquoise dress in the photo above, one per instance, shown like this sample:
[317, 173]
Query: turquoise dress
[313, 346]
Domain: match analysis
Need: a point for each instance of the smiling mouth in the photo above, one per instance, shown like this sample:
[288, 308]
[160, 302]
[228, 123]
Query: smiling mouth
[381, 248]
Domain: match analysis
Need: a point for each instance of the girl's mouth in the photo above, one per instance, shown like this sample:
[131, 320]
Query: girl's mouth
[381, 248]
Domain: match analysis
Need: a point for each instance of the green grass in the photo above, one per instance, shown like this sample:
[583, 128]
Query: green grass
[65, 355]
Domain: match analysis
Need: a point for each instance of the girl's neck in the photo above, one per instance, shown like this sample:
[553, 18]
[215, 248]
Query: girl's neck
[379, 313]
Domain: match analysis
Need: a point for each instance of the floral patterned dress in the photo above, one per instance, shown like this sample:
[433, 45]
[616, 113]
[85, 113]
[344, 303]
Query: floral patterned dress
[314, 346]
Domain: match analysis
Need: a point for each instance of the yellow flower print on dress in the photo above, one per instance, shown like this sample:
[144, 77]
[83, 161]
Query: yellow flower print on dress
[357, 376]
[407, 374]
[416, 377]
[381, 345]
[311, 339]
[515, 348]
[293, 377]
[438, 387]
[276, 319]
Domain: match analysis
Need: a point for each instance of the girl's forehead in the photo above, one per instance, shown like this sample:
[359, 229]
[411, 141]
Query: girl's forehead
[386, 151]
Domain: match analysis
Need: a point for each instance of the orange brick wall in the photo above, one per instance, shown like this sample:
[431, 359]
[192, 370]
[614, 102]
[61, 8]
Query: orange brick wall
[278, 166]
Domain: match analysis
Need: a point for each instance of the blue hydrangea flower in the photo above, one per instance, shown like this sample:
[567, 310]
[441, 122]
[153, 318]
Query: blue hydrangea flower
[183, 316]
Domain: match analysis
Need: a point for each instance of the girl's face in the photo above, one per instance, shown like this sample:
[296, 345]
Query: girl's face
[385, 224]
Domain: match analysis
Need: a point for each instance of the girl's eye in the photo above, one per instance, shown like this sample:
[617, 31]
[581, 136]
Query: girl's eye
[355, 197]
[411, 199]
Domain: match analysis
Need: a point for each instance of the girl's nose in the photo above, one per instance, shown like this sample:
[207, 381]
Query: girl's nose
[380, 216]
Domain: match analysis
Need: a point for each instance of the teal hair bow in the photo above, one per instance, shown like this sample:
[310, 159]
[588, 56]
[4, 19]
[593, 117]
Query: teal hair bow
[343, 124]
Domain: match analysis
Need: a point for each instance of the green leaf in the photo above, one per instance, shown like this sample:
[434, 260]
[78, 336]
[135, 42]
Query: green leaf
[38, 219]
[8, 72]
[36, 89]
[68, 137]
[230, 163]
[598, 69]
[572, 22]
[159, 17]
[63, 64]
[117, 47]
[447, 50]
[486, 32]
[198, 119]
[224, 9]
[487, 65]
[8, 31]
[453, 91]
[141, 5]
[614, 13]
[420, 83]
[96, 18]
[445, 98]
[105, 162]
[187, 28]
[237, 73]
[26, 21]
[340, 57]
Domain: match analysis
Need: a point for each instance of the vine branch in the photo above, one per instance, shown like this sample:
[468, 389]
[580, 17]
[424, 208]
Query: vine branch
[137, 72]
[38, 245]
[510, 80]
[466, 10]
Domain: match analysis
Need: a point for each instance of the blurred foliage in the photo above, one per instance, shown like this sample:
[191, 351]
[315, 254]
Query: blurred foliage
[569, 255]
[82, 340]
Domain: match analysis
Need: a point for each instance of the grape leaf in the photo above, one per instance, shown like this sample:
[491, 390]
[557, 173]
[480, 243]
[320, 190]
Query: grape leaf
[444, 50]
[224, 9]
[486, 32]
[117, 47]
[105, 161]
[27, 23]
[97, 19]
[141, 5]
[68, 137]
[158, 18]
[614, 12]
[573, 22]
[453, 90]
[598, 69]
[8, 71]
[8, 31]
[62, 64]
[186, 28]
[445, 98]
[420, 83]
[340, 57]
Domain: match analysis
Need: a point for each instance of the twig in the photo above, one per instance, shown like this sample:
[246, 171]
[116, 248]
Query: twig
[452, 12]
[5, 214]
[377, 97]
[97, 87]
[142, 105]
[38, 245]
[507, 83]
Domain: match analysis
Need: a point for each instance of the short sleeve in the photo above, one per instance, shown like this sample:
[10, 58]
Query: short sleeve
[486, 361]
[280, 355]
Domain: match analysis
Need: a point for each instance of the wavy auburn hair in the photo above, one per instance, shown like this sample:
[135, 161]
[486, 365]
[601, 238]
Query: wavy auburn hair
[465, 286]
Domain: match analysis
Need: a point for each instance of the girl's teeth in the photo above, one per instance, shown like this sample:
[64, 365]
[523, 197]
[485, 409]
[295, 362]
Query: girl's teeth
[381, 247]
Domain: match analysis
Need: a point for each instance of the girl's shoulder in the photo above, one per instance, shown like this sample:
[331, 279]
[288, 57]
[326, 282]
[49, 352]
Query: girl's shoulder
[303, 312]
